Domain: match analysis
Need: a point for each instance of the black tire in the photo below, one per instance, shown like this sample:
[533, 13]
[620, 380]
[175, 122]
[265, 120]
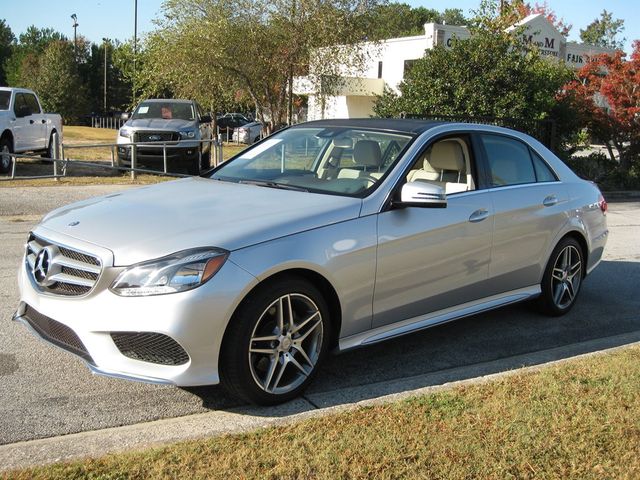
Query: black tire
[205, 164]
[48, 154]
[284, 368]
[6, 147]
[562, 278]
[194, 167]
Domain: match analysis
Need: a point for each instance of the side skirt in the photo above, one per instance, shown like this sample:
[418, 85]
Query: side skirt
[437, 318]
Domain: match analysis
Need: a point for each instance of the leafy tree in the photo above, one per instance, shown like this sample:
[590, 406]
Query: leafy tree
[607, 94]
[497, 16]
[485, 75]
[392, 20]
[25, 53]
[604, 32]
[6, 47]
[215, 49]
[58, 83]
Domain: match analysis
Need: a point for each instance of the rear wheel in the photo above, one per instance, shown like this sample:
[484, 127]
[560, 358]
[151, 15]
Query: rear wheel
[6, 148]
[562, 278]
[275, 342]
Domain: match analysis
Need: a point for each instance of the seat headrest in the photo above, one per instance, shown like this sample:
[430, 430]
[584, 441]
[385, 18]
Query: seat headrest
[367, 153]
[447, 155]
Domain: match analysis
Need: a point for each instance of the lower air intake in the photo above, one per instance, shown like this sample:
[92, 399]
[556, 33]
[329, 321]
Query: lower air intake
[150, 347]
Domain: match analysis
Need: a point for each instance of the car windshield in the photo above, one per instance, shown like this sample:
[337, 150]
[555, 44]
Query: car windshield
[5, 97]
[343, 161]
[165, 110]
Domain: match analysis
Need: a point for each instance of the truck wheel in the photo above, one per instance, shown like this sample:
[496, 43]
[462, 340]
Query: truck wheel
[48, 155]
[194, 167]
[5, 159]
[206, 160]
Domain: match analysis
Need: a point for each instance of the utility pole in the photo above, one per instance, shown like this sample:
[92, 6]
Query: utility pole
[135, 47]
[75, 37]
[105, 74]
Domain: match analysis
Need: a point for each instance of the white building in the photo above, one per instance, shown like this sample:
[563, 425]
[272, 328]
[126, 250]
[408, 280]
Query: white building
[390, 59]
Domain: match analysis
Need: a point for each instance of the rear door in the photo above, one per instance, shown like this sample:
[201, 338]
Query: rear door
[529, 204]
[434, 258]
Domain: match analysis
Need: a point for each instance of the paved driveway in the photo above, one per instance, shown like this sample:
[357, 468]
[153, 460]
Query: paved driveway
[47, 392]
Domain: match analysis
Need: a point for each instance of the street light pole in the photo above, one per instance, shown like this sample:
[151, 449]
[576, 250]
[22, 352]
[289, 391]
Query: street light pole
[75, 37]
[105, 75]
[135, 47]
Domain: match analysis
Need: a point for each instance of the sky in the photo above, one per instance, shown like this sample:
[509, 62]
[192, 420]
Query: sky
[114, 19]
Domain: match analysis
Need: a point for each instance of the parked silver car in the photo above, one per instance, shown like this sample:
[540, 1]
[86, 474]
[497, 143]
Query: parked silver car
[326, 236]
[248, 133]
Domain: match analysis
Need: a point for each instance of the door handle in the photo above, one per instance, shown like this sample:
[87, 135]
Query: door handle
[479, 215]
[550, 201]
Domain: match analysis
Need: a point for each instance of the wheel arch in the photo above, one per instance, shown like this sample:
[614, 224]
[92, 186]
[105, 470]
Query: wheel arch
[8, 134]
[319, 281]
[582, 241]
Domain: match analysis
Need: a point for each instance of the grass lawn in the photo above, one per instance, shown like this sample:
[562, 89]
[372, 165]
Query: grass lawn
[88, 175]
[579, 419]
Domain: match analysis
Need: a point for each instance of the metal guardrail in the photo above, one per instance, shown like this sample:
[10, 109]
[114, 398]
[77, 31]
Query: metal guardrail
[61, 161]
[113, 123]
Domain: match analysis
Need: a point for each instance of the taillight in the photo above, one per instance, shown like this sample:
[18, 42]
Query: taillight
[602, 203]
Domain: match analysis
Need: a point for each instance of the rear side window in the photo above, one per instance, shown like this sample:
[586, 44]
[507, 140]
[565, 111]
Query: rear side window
[543, 172]
[32, 102]
[509, 161]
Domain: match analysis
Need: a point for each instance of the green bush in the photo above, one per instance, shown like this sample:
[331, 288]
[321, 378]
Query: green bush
[605, 172]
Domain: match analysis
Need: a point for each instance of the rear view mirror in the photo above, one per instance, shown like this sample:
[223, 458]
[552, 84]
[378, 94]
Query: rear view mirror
[343, 142]
[422, 194]
[205, 119]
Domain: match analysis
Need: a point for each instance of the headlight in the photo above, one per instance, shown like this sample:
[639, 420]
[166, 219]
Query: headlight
[188, 134]
[176, 273]
[125, 132]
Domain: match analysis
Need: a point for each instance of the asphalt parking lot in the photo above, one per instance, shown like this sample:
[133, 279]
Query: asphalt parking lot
[47, 392]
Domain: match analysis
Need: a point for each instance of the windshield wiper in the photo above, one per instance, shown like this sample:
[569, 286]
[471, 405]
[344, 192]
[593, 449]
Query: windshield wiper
[281, 186]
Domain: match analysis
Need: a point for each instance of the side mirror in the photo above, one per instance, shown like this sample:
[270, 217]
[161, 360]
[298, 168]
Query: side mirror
[205, 119]
[125, 116]
[422, 194]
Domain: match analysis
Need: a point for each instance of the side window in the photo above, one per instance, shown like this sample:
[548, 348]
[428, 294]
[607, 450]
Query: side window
[543, 171]
[20, 107]
[447, 163]
[509, 161]
[32, 102]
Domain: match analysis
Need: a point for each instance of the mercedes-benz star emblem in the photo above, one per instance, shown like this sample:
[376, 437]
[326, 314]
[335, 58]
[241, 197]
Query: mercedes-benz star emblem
[44, 268]
[41, 267]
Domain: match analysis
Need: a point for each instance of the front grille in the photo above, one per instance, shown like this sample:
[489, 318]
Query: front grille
[61, 270]
[56, 333]
[150, 347]
[156, 137]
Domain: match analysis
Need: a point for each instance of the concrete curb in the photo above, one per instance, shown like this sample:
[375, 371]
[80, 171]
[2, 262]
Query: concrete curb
[243, 419]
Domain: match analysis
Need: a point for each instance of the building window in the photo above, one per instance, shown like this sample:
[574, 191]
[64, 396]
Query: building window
[379, 69]
[408, 65]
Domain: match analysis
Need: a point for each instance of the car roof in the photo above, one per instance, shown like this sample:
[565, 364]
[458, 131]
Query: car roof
[403, 125]
[166, 100]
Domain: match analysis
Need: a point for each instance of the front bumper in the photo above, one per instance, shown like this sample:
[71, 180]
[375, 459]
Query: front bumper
[176, 155]
[195, 320]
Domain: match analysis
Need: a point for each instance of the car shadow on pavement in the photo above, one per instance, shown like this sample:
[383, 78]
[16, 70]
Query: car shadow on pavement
[606, 315]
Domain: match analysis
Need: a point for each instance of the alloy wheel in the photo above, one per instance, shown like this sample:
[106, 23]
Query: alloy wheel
[566, 277]
[285, 344]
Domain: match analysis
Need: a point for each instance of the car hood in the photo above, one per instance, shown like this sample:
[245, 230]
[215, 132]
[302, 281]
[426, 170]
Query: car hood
[154, 221]
[160, 123]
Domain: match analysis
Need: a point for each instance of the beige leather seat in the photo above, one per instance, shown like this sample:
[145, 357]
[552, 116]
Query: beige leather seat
[447, 158]
[366, 154]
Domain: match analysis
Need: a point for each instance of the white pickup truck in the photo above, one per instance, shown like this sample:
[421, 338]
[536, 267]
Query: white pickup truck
[23, 125]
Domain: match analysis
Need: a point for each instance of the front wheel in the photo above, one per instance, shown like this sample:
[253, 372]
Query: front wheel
[275, 342]
[562, 278]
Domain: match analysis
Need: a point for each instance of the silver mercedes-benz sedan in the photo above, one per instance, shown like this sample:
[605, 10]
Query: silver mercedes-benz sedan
[326, 236]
